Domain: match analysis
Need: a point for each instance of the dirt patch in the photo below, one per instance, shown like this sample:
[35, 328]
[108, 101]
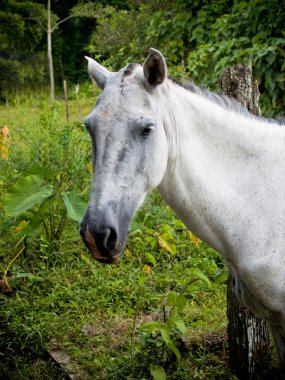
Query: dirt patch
[116, 331]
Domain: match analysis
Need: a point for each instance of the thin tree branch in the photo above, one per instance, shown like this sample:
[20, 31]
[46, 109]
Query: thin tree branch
[61, 21]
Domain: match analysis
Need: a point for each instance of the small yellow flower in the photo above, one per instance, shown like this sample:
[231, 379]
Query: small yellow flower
[146, 268]
[194, 239]
[21, 226]
[4, 132]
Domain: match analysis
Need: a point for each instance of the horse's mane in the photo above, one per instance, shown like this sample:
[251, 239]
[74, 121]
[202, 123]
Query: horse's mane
[224, 101]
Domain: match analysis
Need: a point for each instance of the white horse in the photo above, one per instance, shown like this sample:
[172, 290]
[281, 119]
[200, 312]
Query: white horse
[221, 170]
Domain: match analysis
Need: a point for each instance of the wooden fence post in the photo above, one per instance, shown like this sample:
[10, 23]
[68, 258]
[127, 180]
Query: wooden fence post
[65, 100]
[76, 87]
[249, 338]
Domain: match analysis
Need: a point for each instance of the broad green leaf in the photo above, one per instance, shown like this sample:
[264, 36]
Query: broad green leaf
[75, 206]
[181, 302]
[151, 326]
[165, 336]
[196, 273]
[171, 299]
[221, 277]
[151, 258]
[157, 372]
[167, 242]
[176, 300]
[179, 225]
[40, 171]
[177, 322]
[33, 225]
[171, 346]
[25, 194]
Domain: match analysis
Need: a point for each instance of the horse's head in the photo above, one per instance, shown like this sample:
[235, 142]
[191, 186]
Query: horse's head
[130, 151]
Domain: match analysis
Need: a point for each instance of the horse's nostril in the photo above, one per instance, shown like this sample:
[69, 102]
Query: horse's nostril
[111, 238]
[102, 240]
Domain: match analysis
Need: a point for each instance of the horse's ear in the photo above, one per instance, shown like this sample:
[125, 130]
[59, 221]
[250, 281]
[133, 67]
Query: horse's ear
[154, 67]
[98, 72]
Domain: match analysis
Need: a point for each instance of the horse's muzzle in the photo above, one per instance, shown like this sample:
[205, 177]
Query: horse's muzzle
[102, 243]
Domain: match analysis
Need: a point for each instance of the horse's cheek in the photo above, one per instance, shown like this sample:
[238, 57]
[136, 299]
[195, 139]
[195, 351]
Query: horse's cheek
[160, 162]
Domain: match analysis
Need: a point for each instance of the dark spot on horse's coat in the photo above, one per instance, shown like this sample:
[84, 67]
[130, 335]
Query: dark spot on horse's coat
[122, 85]
[112, 205]
[106, 147]
[146, 103]
[129, 69]
[140, 167]
[121, 156]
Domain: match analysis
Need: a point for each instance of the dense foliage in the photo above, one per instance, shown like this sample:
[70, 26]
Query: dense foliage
[198, 37]
[21, 34]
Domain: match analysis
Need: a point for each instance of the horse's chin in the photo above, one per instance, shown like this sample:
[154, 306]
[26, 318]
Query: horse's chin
[107, 260]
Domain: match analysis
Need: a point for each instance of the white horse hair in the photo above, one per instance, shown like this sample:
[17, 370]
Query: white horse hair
[221, 170]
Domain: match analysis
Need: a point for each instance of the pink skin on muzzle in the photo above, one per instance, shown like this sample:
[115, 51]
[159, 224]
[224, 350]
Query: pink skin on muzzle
[95, 252]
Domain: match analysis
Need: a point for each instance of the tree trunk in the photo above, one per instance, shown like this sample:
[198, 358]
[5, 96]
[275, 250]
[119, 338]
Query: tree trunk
[49, 53]
[249, 339]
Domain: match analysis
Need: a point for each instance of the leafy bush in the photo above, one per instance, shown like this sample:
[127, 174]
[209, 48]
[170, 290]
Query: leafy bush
[199, 39]
[50, 165]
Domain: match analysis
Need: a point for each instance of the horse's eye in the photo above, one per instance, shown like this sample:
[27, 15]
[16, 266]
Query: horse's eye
[147, 131]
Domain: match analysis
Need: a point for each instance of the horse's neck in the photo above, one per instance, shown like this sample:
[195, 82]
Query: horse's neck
[217, 158]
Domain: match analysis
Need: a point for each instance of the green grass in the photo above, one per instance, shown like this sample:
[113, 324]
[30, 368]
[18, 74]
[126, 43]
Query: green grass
[88, 310]
[63, 300]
